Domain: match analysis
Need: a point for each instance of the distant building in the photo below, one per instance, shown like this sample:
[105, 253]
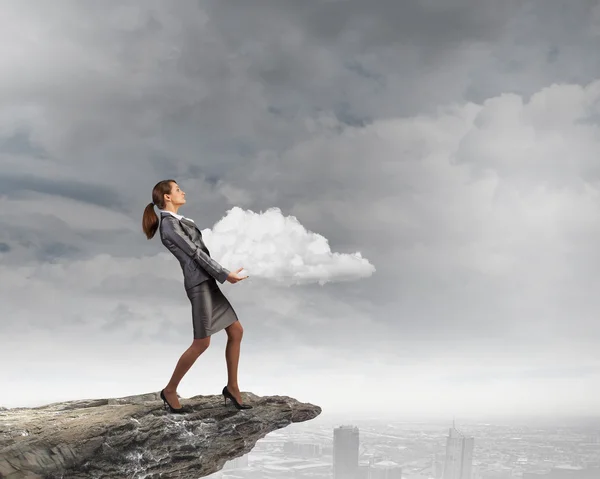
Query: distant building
[459, 455]
[345, 452]
[371, 457]
[302, 449]
[436, 467]
[364, 470]
[386, 470]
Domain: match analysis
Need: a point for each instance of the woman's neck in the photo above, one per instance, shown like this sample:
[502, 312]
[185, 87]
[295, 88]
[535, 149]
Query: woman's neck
[171, 208]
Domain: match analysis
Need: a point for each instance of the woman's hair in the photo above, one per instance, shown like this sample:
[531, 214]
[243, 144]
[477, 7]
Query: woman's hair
[150, 218]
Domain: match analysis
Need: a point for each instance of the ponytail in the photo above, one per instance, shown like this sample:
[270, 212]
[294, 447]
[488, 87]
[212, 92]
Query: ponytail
[150, 221]
[150, 218]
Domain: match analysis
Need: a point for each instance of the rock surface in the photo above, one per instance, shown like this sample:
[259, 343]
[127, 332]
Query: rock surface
[135, 437]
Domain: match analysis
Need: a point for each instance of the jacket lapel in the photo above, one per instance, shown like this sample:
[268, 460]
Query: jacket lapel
[191, 224]
[194, 232]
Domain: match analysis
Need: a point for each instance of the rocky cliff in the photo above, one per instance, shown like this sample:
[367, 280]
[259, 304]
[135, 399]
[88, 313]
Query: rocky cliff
[135, 437]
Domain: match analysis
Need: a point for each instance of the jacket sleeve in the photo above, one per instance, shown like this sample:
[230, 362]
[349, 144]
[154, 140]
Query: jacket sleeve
[173, 231]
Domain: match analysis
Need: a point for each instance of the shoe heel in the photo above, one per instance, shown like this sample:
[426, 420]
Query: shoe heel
[168, 407]
[228, 395]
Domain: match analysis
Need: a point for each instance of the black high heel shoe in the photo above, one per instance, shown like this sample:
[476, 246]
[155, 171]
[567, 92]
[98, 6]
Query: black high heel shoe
[227, 394]
[181, 410]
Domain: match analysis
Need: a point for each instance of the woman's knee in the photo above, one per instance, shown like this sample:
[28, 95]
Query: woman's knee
[201, 345]
[235, 331]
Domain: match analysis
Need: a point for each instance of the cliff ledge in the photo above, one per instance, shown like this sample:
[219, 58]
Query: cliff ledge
[135, 437]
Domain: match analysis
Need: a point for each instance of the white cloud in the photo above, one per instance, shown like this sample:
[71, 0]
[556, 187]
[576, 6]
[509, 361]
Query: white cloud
[272, 246]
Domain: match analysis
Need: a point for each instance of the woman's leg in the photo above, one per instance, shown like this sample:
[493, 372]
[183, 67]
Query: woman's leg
[187, 359]
[232, 356]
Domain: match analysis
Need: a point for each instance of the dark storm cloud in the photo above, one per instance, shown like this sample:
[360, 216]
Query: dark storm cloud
[358, 59]
[100, 195]
[546, 42]
[54, 251]
[20, 144]
[377, 23]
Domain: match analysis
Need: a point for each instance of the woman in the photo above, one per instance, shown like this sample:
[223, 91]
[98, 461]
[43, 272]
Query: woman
[211, 311]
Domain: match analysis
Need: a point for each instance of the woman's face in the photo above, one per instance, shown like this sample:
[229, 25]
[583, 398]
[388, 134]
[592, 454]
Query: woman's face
[177, 196]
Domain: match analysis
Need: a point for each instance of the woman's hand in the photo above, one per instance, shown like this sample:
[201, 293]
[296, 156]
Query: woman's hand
[234, 277]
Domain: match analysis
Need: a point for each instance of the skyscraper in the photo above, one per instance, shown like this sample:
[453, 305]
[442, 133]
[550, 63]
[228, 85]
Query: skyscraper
[345, 452]
[459, 455]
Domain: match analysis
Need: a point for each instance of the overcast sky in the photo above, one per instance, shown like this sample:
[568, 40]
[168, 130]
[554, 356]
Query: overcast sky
[442, 159]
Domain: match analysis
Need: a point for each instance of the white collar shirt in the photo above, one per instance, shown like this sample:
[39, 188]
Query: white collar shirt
[178, 216]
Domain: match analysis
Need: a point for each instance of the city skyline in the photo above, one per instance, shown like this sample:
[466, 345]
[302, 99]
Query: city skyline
[419, 451]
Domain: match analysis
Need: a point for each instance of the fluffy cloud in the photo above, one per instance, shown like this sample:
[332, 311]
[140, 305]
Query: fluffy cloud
[272, 246]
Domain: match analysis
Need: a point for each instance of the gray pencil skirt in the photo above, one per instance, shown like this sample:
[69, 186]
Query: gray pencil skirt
[211, 310]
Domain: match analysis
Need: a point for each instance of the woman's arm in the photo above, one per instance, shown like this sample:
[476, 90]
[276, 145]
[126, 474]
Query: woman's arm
[173, 232]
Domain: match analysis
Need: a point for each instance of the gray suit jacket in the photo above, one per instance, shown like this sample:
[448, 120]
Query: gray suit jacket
[184, 240]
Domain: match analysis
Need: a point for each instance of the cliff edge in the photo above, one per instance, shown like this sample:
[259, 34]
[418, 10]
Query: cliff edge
[135, 437]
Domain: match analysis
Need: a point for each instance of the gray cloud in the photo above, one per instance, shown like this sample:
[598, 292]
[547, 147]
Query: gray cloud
[381, 22]
[384, 126]
[78, 190]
